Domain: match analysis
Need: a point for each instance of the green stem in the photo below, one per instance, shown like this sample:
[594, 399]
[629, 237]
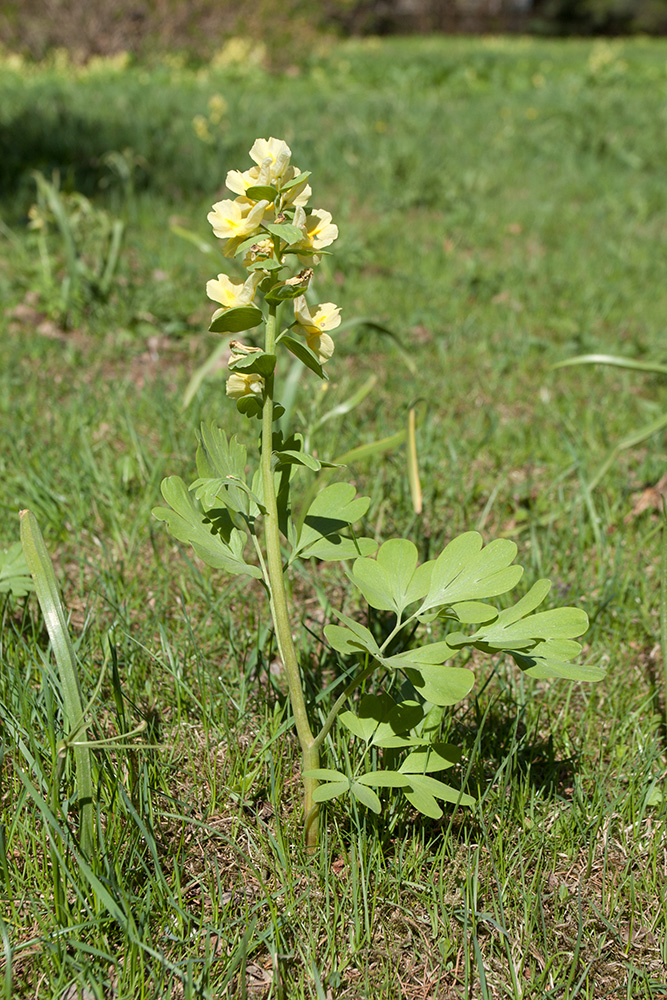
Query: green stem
[279, 610]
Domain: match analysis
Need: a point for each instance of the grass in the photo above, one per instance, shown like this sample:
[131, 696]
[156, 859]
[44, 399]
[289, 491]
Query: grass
[501, 206]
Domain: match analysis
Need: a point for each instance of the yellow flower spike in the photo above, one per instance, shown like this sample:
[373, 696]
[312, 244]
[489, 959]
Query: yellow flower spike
[236, 219]
[230, 292]
[272, 158]
[240, 385]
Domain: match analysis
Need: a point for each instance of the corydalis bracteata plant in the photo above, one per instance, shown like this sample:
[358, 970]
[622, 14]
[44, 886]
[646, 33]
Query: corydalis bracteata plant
[245, 524]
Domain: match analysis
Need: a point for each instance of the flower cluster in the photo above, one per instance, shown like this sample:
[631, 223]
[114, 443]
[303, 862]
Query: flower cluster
[268, 226]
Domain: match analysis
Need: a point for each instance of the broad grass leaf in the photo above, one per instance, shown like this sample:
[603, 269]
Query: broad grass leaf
[437, 757]
[185, 521]
[236, 320]
[392, 580]
[465, 571]
[366, 796]
[39, 563]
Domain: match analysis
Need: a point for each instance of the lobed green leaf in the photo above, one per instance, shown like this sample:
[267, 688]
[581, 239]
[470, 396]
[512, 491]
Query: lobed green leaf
[187, 522]
[15, 576]
[393, 580]
[465, 571]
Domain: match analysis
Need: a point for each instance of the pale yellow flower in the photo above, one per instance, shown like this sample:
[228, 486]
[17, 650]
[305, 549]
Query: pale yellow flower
[232, 292]
[318, 231]
[240, 385]
[236, 219]
[314, 326]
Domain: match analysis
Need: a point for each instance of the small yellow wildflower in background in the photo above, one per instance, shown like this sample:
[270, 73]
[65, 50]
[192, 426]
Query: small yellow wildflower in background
[217, 108]
[200, 125]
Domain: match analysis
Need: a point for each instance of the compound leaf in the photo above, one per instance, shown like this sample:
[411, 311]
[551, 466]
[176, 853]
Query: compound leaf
[516, 628]
[392, 580]
[330, 790]
[465, 571]
[384, 779]
[439, 790]
[15, 576]
[442, 685]
[436, 683]
[187, 522]
[366, 796]
[339, 547]
[332, 511]
[351, 639]
[436, 757]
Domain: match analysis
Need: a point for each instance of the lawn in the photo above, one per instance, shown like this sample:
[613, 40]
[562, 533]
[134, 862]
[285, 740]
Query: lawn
[502, 207]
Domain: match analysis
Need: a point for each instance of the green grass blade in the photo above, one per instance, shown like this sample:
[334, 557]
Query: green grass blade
[211, 364]
[612, 359]
[52, 198]
[46, 588]
[663, 601]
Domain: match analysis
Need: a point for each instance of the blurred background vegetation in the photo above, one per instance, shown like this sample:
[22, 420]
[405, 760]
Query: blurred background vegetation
[197, 27]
